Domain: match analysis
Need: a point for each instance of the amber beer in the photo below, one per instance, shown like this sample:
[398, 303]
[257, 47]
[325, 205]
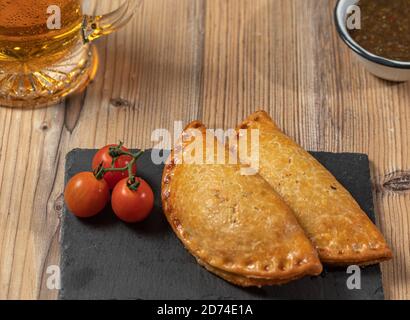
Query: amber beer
[25, 34]
[46, 49]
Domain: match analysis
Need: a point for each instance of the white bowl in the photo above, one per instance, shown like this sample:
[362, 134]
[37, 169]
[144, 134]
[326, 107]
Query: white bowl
[384, 68]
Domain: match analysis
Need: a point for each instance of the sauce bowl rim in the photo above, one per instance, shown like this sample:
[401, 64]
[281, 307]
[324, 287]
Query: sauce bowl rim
[344, 34]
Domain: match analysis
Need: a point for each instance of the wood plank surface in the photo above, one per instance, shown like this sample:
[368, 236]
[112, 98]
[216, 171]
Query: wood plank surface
[217, 61]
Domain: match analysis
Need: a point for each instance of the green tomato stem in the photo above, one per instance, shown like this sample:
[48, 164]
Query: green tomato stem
[115, 153]
[99, 172]
[134, 185]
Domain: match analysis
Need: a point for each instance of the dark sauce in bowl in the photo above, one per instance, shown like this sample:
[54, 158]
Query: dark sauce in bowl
[385, 28]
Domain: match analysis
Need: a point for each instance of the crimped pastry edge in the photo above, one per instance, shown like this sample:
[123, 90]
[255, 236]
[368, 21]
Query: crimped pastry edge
[328, 256]
[297, 271]
[245, 281]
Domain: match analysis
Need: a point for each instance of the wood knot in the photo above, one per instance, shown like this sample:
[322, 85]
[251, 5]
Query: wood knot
[120, 103]
[59, 204]
[44, 126]
[398, 181]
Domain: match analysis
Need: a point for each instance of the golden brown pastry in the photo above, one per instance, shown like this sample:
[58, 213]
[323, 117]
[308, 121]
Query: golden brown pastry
[341, 232]
[236, 226]
[246, 281]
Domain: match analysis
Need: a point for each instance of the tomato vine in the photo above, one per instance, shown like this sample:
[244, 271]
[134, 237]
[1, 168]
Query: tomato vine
[115, 152]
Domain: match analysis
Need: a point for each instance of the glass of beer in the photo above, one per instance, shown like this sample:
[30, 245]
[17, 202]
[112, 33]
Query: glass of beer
[45, 46]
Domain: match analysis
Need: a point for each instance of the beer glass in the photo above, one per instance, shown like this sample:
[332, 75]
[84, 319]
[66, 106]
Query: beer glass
[45, 46]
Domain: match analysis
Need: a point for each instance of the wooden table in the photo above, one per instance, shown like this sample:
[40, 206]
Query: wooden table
[217, 61]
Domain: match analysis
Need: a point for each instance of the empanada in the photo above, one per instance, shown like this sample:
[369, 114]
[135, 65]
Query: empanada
[341, 232]
[236, 226]
[245, 281]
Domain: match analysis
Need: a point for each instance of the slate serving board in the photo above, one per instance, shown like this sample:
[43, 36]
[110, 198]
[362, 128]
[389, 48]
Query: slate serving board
[103, 258]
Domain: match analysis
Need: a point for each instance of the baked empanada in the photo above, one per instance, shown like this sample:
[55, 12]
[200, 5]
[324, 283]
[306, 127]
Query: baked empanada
[236, 226]
[340, 231]
[246, 281]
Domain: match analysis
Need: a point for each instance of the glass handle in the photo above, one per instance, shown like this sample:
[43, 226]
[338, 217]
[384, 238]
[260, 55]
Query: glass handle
[97, 26]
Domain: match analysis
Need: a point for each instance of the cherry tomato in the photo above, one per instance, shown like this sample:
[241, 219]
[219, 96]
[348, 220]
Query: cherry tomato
[85, 195]
[132, 206]
[103, 156]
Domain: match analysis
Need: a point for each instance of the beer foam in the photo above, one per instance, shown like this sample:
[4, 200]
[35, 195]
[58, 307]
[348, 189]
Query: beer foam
[29, 13]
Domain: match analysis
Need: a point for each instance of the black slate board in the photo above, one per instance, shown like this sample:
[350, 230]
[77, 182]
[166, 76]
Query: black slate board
[103, 258]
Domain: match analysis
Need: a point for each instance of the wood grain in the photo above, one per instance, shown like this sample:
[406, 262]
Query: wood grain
[215, 60]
